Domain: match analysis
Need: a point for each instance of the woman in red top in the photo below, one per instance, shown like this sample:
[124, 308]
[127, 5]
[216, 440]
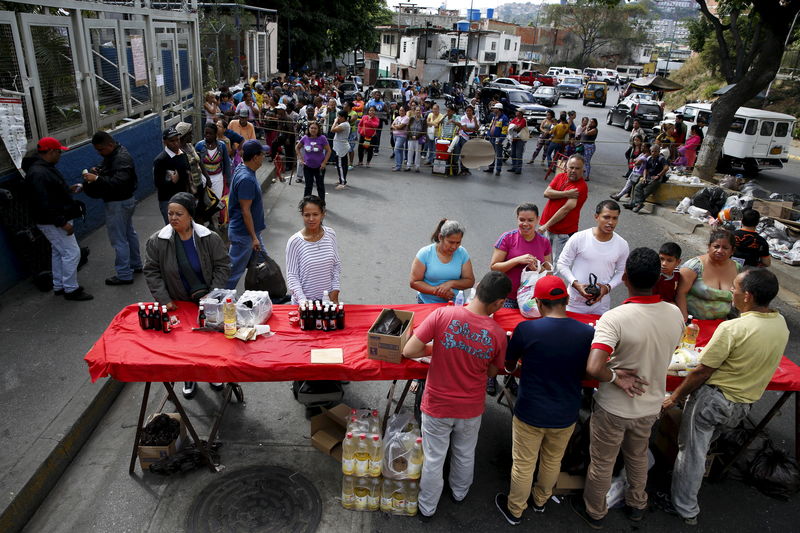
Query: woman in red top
[517, 141]
[367, 127]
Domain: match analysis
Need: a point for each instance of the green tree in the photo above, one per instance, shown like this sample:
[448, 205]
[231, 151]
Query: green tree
[750, 38]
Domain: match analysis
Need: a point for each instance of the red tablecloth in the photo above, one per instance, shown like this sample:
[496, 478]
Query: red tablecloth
[127, 353]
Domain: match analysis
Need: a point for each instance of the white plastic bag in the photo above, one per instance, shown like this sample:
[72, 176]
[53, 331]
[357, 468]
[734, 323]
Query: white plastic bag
[402, 431]
[527, 282]
[684, 205]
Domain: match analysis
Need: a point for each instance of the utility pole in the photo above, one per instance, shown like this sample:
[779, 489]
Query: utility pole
[466, 55]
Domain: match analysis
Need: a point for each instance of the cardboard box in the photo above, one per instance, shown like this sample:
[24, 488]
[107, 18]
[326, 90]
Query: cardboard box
[389, 347]
[327, 430]
[773, 209]
[152, 454]
[567, 484]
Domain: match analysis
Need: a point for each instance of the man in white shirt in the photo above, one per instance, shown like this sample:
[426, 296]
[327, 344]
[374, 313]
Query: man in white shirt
[596, 252]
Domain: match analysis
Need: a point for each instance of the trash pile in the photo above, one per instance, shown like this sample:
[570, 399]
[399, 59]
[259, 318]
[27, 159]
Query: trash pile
[162, 430]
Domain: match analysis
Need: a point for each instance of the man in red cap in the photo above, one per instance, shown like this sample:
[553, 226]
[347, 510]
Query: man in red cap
[53, 209]
[552, 352]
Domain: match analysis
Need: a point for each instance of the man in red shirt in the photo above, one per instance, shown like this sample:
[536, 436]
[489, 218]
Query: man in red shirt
[468, 346]
[565, 195]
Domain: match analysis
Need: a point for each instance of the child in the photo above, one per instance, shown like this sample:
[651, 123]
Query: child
[751, 248]
[667, 286]
[636, 172]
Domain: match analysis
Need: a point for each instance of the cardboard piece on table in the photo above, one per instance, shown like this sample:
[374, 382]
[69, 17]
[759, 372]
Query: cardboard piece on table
[327, 356]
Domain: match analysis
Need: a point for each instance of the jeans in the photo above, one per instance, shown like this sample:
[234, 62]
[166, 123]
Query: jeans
[552, 147]
[399, 151]
[541, 145]
[64, 258]
[312, 175]
[705, 414]
[642, 190]
[240, 251]
[588, 152]
[430, 149]
[530, 443]
[456, 156]
[497, 143]
[557, 242]
[414, 153]
[517, 149]
[123, 238]
[162, 207]
[608, 434]
[341, 168]
[437, 436]
[630, 183]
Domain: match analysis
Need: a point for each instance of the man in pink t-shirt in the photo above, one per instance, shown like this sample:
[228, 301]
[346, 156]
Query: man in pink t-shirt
[468, 346]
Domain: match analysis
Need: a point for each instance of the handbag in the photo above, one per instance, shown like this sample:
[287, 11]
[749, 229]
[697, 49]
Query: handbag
[527, 282]
[264, 274]
[208, 204]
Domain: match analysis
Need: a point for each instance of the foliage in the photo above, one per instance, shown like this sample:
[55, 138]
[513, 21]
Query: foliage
[700, 30]
[315, 30]
[598, 23]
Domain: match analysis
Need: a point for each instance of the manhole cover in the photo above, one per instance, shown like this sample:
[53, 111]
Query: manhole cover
[263, 499]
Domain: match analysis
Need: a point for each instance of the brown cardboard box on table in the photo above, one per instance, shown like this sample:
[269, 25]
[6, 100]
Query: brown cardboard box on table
[772, 208]
[389, 347]
[327, 430]
[152, 454]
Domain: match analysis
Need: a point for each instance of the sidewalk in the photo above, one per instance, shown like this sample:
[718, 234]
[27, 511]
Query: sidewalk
[50, 407]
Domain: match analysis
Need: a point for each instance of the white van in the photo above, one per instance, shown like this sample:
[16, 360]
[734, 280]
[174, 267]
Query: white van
[563, 72]
[629, 72]
[601, 74]
[756, 140]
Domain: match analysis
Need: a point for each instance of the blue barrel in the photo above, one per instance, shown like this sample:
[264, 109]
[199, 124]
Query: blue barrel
[474, 14]
[462, 25]
[490, 13]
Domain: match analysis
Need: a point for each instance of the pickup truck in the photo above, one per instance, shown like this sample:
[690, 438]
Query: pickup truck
[529, 76]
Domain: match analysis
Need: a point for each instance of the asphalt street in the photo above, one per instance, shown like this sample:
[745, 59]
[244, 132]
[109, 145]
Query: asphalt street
[381, 221]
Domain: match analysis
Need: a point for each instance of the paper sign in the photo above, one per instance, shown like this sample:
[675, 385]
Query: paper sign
[139, 68]
[159, 80]
[327, 356]
[12, 128]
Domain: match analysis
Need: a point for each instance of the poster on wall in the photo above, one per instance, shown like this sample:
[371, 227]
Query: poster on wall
[12, 127]
[139, 67]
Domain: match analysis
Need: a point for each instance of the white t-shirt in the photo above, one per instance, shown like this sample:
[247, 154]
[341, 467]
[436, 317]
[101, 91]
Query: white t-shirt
[584, 254]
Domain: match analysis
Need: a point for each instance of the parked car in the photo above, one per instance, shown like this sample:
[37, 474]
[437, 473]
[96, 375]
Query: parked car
[512, 100]
[595, 92]
[600, 74]
[529, 77]
[509, 83]
[571, 86]
[390, 88]
[629, 72]
[546, 96]
[624, 113]
[756, 139]
[348, 91]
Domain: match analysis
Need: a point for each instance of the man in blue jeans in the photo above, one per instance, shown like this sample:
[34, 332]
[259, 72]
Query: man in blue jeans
[246, 211]
[114, 182]
[498, 129]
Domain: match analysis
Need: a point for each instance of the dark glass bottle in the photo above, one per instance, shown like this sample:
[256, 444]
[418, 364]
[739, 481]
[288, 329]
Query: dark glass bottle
[340, 317]
[157, 317]
[166, 327]
[150, 317]
[143, 321]
[201, 317]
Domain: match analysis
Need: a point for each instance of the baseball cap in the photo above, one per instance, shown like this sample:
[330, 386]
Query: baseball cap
[183, 128]
[49, 143]
[550, 288]
[170, 132]
[252, 147]
[244, 113]
[497, 106]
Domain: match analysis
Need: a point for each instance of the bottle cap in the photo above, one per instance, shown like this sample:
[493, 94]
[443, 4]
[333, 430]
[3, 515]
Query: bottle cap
[350, 435]
[419, 440]
[202, 308]
[376, 438]
[228, 300]
[362, 436]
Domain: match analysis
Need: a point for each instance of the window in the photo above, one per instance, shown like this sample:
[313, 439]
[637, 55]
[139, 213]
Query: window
[494, 45]
[404, 46]
[737, 126]
[453, 43]
[781, 129]
[430, 43]
[388, 39]
[515, 47]
[766, 128]
[752, 127]
[507, 45]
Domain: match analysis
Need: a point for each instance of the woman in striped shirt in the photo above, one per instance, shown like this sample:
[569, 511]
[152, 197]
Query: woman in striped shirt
[312, 256]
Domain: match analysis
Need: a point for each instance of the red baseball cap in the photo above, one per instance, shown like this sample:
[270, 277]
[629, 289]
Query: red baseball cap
[49, 143]
[550, 288]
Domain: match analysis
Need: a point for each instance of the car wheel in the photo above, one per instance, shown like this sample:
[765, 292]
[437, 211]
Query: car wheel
[603, 104]
[750, 167]
[608, 119]
[628, 126]
[584, 102]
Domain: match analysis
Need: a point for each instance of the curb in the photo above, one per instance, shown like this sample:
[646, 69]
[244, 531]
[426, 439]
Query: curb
[27, 500]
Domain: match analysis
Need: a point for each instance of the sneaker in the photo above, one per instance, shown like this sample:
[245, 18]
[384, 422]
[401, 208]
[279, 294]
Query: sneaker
[634, 514]
[189, 389]
[114, 280]
[217, 386]
[393, 170]
[532, 505]
[615, 197]
[453, 497]
[349, 167]
[491, 387]
[390, 156]
[407, 169]
[79, 295]
[638, 208]
[424, 518]
[58, 292]
[577, 505]
[664, 502]
[299, 179]
[416, 170]
[501, 501]
[340, 187]
[497, 173]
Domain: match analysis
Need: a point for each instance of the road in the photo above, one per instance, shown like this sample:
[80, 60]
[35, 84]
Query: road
[381, 222]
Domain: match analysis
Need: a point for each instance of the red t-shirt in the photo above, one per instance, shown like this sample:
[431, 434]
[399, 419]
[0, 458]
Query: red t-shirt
[464, 346]
[667, 288]
[569, 224]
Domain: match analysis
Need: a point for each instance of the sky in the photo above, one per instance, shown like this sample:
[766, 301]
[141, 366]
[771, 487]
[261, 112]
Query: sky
[457, 4]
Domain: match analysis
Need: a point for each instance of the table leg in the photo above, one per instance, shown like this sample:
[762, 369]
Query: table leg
[402, 399]
[226, 398]
[389, 399]
[202, 448]
[164, 400]
[145, 396]
[761, 425]
[505, 393]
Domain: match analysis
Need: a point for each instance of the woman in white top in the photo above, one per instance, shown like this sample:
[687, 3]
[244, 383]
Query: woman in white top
[312, 256]
[341, 146]
[468, 128]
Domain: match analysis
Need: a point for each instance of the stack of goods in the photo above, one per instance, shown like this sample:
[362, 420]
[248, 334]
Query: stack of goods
[320, 314]
[156, 317]
[212, 305]
[253, 308]
[402, 465]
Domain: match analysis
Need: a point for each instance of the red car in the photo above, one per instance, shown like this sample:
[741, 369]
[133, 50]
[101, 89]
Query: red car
[528, 77]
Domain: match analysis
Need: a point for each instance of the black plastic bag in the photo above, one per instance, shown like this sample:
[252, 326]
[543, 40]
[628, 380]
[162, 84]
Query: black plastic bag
[774, 473]
[712, 199]
[389, 325]
[264, 274]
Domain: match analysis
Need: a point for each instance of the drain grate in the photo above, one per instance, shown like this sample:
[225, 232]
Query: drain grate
[261, 498]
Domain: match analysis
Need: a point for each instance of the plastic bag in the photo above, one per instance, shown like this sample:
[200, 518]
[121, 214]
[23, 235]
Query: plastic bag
[711, 199]
[527, 282]
[264, 274]
[389, 324]
[684, 205]
[774, 473]
[402, 432]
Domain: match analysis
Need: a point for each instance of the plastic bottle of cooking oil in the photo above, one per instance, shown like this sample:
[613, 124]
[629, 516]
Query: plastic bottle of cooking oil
[229, 318]
[375, 456]
[348, 493]
[362, 456]
[416, 459]
[348, 455]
